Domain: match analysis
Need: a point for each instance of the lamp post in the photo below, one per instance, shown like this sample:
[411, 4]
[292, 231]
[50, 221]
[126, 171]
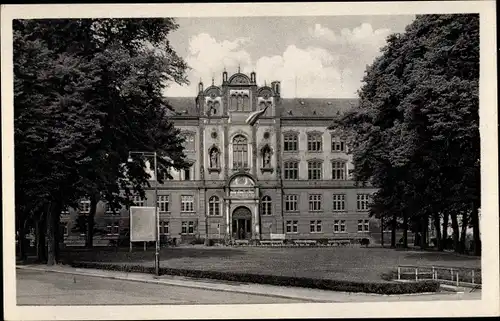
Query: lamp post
[157, 216]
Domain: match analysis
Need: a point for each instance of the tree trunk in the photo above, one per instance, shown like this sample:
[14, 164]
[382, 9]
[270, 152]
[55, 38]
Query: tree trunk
[423, 232]
[382, 231]
[475, 229]
[456, 231]
[89, 241]
[51, 233]
[463, 233]
[437, 227]
[445, 230]
[22, 242]
[41, 249]
[405, 229]
[393, 232]
[57, 230]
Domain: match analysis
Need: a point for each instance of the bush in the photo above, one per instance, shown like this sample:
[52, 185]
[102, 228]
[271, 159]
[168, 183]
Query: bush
[364, 241]
[322, 242]
[198, 241]
[323, 284]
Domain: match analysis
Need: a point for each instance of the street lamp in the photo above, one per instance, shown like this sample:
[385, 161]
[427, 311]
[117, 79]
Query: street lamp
[157, 216]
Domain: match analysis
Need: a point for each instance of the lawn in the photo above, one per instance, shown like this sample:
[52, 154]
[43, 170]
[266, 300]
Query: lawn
[354, 264]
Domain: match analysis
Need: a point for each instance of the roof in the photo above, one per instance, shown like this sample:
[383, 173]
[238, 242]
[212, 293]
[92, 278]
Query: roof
[316, 107]
[292, 107]
[183, 105]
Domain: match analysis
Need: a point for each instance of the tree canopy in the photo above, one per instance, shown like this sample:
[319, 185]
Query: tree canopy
[87, 92]
[415, 133]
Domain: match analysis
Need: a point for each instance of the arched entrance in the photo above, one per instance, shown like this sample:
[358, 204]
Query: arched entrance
[242, 223]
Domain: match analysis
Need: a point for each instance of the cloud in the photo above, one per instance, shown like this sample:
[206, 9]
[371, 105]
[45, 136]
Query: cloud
[207, 58]
[331, 68]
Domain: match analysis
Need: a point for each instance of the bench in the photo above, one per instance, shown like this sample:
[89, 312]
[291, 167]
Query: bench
[305, 242]
[272, 243]
[241, 242]
[339, 242]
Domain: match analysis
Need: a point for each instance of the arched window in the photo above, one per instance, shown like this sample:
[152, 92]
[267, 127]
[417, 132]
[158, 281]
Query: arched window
[246, 103]
[232, 102]
[214, 206]
[240, 152]
[266, 205]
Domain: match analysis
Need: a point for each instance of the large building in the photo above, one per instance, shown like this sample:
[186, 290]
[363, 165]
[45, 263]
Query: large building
[287, 174]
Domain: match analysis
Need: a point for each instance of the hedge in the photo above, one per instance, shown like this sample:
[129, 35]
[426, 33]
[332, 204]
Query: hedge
[323, 284]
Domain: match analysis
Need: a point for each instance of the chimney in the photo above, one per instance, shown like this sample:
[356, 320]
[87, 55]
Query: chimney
[200, 87]
[276, 88]
[224, 76]
[252, 77]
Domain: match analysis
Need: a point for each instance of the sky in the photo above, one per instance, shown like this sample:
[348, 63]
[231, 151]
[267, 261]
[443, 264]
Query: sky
[313, 57]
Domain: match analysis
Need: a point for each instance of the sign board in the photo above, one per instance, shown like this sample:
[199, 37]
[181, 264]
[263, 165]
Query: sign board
[142, 224]
[277, 236]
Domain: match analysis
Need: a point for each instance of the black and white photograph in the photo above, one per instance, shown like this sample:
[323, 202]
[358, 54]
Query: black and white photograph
[251, 160]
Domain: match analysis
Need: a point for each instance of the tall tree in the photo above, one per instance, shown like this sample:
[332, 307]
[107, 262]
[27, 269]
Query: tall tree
[87, 91]
[417, 122]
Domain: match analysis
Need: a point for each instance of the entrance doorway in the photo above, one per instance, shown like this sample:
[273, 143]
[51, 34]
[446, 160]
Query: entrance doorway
[242, 223]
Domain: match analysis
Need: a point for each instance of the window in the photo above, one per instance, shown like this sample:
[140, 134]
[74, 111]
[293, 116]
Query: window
[187, 203]
[363, 226]
[138, 201]
[187, 174]
[213, 206]
[187, 227]
[338, 202]
[362, 202]
[314, 202]
[84, 206]
[314, 170]
[65, 211]
[314, 141]
[291, 203]
[291, 170]
[164, 227]
[339, 226]
[266, 205]
[240, 152]
[189, 145]
[290, 142]
[338, 170]
[163, 203]
[64, 229]
[109, 210]
[113, 228]
[337, 145]
[315, 226]
[292, 227]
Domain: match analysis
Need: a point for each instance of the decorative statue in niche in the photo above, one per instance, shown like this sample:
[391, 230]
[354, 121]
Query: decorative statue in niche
[214, 155]
[267, 157]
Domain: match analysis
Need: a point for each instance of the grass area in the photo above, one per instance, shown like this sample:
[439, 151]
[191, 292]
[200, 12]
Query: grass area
[352, 264]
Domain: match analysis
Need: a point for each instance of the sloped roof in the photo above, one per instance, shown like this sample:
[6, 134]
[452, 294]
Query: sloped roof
[316, 107]
[184, 106]
[292, 107]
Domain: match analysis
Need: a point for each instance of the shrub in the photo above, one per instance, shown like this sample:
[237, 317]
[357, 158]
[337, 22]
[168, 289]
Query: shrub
[322, 242]
[364, 241]
[198, 240]
[323, 284]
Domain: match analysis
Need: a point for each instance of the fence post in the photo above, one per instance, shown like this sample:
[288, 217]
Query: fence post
[416, 274]
[451, 274]
[433, 273]
[399, 273]
[457, 279]
[472, 276]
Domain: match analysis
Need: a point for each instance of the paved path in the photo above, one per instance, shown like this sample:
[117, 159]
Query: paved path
[35, 283]
[49, 288]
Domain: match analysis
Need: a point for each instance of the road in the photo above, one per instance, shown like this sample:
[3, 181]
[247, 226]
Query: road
[48, 288]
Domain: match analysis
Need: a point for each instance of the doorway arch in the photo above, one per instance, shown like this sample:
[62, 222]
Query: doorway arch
[242, 223]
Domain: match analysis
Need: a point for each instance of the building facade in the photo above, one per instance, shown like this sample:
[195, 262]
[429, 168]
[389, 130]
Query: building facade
[287, 174]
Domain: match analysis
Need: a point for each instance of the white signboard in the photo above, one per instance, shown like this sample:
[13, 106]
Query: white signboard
[142, 224]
